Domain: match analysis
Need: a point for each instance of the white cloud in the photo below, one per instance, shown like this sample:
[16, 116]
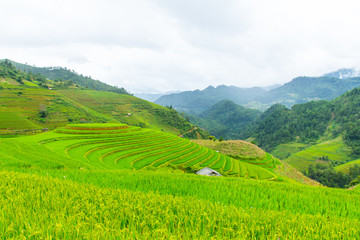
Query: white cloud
[160, 45]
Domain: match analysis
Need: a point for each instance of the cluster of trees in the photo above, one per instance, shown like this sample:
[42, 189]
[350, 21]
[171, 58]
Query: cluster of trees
[279, 124]
[347, 115]
[329, 177]
[8, 70]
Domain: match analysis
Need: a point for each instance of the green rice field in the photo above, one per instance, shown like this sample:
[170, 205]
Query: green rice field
[114, 181]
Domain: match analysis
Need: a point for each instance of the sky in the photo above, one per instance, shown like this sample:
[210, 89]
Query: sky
[155, 46]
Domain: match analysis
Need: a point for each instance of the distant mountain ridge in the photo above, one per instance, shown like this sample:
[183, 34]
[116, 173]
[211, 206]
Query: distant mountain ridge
[344, 73]
[305, 89]
[200, 100]
[299, 90]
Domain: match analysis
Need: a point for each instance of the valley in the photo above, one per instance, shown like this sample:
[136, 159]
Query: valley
[78, 162]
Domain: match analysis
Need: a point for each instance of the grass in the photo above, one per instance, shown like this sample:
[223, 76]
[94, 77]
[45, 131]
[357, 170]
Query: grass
[10, 120]
[335, 150]
[283, 151]
[20, 108]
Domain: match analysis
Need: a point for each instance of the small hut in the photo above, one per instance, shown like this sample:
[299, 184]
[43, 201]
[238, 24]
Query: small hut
[208, 172]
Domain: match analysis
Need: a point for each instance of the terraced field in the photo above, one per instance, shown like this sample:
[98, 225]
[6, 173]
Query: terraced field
[20, 108]
[242, 151]
[334, 150]
[119, 146]
[345, 168]
[117, 106]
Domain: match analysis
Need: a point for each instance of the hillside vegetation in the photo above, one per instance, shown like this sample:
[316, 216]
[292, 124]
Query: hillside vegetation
[64, 76]
[333, 152]
[135, 111]
[36, 108]
[303, 122]
[31, 102]
[315, 133]
[250, 153]
[310, 122]
[226, 119]
[328, 133]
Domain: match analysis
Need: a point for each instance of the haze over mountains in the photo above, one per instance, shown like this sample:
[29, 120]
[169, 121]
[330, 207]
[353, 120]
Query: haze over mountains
[299, 90]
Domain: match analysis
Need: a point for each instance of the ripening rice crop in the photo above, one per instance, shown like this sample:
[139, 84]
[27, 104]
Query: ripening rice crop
[118, 146]
[35, 207]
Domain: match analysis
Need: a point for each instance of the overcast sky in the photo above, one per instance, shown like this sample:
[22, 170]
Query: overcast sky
[167, 45]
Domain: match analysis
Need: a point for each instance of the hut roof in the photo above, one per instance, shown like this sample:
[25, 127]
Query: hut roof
[208, 172]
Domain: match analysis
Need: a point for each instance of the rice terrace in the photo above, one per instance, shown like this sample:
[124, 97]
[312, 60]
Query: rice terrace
[81, 159]
[93, 170]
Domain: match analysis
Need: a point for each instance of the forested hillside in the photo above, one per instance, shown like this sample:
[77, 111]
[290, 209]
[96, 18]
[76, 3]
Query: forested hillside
[303, 122]
[67, 76]
[226, 119]
[347, 109]
[308, 123]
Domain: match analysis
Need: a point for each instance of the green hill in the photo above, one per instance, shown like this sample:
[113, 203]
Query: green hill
[345, 168]
[37, 108]
[248, 152]
[135, 111]
[30, 102]
[226, 119]
[333, 152]
[303, 122]
[310, 122]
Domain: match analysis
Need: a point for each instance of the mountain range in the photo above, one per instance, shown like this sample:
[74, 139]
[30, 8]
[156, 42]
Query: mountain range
[299, 90]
